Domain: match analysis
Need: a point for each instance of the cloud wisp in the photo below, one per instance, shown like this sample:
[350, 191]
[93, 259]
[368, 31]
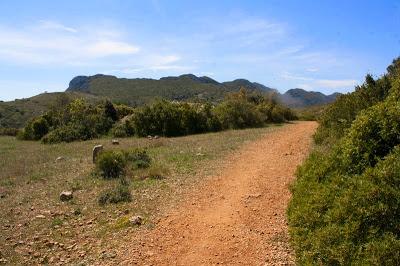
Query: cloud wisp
[314, 83]
[52, 43]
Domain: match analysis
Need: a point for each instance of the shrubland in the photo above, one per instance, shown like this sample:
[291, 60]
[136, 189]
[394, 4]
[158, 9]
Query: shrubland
[81, 120]
[345, 208]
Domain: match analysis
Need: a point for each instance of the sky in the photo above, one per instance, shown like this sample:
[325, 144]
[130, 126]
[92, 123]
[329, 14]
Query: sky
[326, 46]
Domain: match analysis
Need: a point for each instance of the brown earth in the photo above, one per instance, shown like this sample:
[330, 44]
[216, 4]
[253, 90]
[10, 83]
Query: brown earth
[237, 217]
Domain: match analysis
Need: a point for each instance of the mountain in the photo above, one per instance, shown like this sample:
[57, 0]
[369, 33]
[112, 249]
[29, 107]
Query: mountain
[299, 98]
[136, 92]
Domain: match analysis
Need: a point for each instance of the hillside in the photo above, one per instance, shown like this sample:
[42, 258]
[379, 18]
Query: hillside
[185, 87]
[300, 98]
[136, 92]
[14, 114]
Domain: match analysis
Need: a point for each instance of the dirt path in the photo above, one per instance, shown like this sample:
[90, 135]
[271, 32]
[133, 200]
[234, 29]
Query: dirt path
[237, 217]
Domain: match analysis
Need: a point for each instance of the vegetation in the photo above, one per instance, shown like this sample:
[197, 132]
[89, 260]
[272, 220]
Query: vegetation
[345, 206]
[117, 194]
[80, 120]
[16, 114]
[9, 132]
[111, 164]
[238, 110]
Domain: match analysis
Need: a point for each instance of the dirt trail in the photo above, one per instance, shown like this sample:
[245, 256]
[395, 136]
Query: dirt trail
[237, 217]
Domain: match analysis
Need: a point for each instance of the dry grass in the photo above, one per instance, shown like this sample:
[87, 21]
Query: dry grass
[31, 181]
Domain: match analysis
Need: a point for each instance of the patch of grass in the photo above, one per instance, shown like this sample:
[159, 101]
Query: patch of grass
[117, 194]
[56, 222]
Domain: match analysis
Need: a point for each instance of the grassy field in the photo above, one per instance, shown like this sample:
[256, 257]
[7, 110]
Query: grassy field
[36, 227]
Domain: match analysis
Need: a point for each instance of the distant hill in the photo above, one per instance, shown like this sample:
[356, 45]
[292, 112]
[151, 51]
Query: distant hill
[139, 91]
[299, 98]
[16, 113]
[136, 92]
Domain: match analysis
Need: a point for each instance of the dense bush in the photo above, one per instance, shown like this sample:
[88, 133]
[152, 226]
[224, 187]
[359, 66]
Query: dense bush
[78, 120]
[111, 164]
[238, 110]
[236, 113]
[345, 207]
[339, 116]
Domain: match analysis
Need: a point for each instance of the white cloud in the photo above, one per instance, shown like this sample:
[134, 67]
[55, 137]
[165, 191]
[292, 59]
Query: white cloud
[108, 48]
[336, 84]
[52, 25]
[313, 83]
[52, 43]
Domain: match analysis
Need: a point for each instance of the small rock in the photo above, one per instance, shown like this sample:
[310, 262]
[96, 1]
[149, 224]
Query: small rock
[156, 137]
[200, 154]
[59, 159]
[136, 220]
[66, 195]
[115, 142]
[40, 216]
[96, 151]
[149, 137]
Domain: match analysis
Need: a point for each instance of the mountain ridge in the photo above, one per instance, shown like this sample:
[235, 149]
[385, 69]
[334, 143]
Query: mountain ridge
[139, 91]
[187, 87]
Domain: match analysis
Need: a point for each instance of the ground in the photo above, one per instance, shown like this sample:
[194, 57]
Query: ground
[223, 201]
[237, 217]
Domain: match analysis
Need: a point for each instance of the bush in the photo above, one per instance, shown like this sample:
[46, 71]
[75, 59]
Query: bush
[35, 129]
[236, 113]
[138, 158]
[111, 164]
[117, 194]
[124, 128]
[339, 116]
[346, 199]
[77, 121]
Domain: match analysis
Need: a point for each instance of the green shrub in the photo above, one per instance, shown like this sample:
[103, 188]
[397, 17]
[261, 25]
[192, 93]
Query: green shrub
[78, 120]
[111, 164]
[35, 129]
[138, 158]
[236, 113]
[346, 199]
[124, 128]
[117, 194]
[339, 116]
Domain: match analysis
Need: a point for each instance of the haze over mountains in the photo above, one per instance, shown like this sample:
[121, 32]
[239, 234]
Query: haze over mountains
[139, 91]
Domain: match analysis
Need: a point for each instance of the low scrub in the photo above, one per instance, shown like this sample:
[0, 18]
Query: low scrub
[111, 164]
[9, 132]
[117, 194]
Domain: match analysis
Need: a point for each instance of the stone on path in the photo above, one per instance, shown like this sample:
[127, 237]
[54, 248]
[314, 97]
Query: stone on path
[66, 195]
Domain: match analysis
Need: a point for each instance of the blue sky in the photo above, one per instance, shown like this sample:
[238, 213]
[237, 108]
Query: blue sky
[326, 46]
